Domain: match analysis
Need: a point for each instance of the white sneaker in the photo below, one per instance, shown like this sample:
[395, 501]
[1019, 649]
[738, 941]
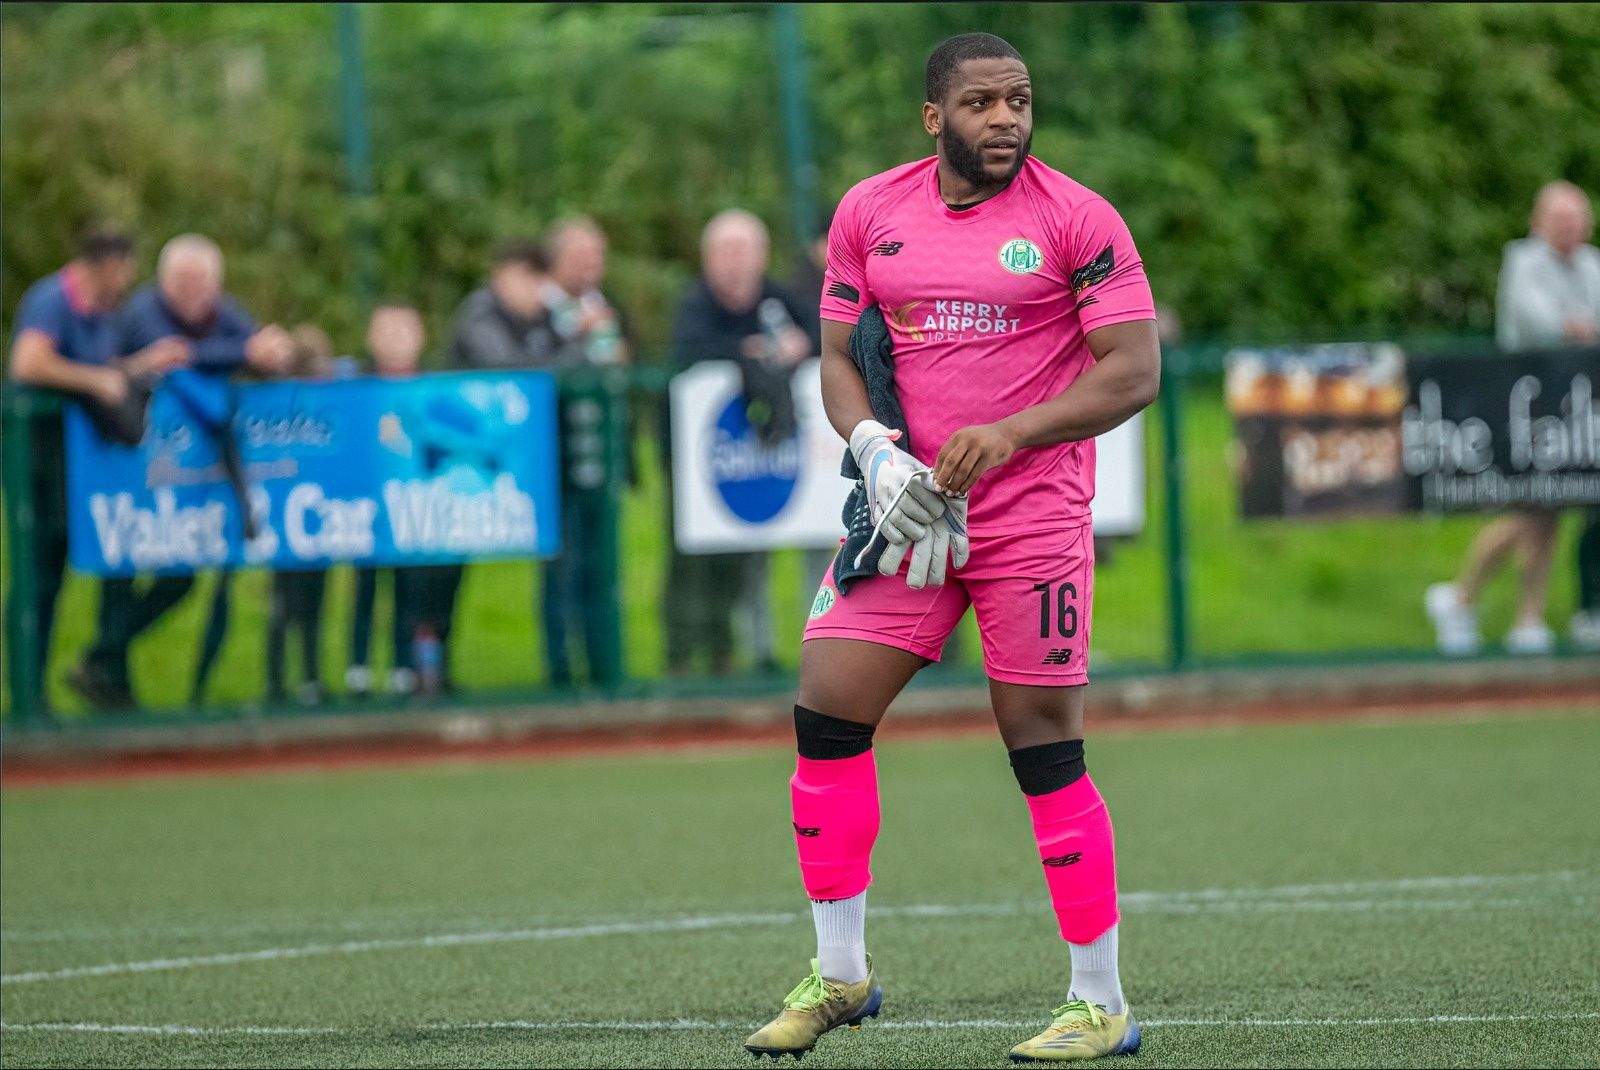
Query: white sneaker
[1455, 626]
[358, 679]
[1584, 628]
[402, 681]
[1534, 638]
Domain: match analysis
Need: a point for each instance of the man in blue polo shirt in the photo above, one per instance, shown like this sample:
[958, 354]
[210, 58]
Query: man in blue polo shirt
[185, 305]
[65, 340]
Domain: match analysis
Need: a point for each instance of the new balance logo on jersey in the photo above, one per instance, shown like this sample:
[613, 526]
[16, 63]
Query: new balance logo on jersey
[1058, 657]
[801, 830]
[887, 248]
[844, 292]
[1064, 860]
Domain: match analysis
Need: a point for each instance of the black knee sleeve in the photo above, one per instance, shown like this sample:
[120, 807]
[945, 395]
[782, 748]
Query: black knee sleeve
[1048, 767]
[822, 737]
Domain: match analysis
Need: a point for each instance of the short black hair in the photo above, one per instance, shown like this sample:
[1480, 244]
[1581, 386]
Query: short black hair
[524, 251]
[99, 244]
[947, 59]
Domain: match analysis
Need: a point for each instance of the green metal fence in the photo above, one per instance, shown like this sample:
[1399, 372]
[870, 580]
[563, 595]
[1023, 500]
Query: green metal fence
[1198, 588]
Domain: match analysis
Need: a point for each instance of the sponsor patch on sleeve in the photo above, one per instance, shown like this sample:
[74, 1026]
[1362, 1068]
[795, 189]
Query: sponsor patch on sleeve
[846, 292]
[1096, 270]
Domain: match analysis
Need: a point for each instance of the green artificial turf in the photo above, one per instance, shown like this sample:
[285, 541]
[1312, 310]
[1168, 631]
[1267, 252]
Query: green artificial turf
[1261, 587]
[1346, 873]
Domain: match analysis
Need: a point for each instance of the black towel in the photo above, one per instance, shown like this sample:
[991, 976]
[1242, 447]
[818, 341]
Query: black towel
[872, 349]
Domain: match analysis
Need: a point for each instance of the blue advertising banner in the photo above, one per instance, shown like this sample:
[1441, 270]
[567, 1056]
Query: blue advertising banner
[428, 470]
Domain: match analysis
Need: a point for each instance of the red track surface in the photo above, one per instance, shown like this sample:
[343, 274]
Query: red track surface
[37, 771]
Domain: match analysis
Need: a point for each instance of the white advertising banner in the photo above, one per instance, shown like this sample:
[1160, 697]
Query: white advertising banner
[730, 494]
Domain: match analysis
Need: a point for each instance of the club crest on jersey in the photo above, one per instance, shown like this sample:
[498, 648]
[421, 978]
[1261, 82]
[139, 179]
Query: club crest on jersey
[1020, 256]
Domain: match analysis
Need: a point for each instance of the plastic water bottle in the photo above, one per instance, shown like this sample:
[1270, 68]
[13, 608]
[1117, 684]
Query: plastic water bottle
[775, 319]
[428, 656]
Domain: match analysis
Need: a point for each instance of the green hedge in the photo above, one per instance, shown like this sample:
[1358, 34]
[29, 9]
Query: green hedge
[1284, 167]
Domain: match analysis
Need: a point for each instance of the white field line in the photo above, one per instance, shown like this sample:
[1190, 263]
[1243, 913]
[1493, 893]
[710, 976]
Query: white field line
[1287, 899]
[689, 1025]
[1157, 901]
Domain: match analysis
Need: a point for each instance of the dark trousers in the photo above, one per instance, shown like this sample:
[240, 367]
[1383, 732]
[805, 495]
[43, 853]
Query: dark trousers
[430, 599]
[127, 608]
[296, 605]
[402, 623]
[48, 486]
[576, 587]
[703, 590]
[1589, 563]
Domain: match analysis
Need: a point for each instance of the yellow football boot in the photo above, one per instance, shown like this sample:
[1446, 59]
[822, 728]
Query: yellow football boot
[1081, 1030]
[815, 1006]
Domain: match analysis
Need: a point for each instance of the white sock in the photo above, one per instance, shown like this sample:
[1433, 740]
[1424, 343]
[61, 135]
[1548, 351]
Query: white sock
[842, 938]
[1094, 973]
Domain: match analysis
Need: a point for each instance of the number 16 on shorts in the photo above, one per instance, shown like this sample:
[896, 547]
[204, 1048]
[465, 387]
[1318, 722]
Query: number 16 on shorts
[1058, 619]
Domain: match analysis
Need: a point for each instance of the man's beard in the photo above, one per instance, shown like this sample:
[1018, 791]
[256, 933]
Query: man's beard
[966, 160]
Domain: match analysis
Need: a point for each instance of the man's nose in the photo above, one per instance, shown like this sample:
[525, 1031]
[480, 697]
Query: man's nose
[1002, 116]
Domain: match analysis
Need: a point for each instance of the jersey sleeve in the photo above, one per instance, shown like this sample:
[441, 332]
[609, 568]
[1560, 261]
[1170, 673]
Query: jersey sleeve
[844, 283]
[43, 309]
[1105, 272]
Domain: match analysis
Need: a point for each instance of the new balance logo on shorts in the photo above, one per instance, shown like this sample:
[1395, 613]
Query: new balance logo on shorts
[1064, 860]
[801, 830]
[887, 248]
[1058, 657]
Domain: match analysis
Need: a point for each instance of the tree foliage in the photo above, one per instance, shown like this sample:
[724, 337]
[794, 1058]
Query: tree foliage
[1283, 167]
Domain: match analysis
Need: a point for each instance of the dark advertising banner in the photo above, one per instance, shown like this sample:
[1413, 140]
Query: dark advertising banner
[1317, 431]
[433, 469]
[1361, 429]
[1504, 432]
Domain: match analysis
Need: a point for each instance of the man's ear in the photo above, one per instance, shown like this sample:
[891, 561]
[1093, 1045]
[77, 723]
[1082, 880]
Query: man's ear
[930, 118]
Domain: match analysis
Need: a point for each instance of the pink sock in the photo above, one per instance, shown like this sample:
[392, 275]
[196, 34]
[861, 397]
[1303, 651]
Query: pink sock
[835, 823]
[1074, 834]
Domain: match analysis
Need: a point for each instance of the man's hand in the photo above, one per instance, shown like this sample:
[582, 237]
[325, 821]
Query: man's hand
[110, 387]
[158, 358]
[968, 454]
[903, 505]
[1578, 330]
[270, 350]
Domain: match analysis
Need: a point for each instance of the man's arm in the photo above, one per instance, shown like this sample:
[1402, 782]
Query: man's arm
[695, 338]
[1124, 379]
[227, 346]
[35, 361]
[844, 394]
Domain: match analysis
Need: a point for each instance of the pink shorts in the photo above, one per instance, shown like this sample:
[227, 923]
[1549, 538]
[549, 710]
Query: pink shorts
[1031, 591]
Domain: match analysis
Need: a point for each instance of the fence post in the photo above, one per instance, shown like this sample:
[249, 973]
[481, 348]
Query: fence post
[795, 90]
[22, 531]
[1174, 372]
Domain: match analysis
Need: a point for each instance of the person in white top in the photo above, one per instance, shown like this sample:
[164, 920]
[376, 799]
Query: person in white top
[1549, 295]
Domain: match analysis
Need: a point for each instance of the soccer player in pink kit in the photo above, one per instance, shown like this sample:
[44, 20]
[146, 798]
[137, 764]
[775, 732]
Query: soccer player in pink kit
[1022, 327]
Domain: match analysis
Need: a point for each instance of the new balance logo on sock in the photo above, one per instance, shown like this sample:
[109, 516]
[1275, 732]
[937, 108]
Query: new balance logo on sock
[1064, 860]
[801, 830]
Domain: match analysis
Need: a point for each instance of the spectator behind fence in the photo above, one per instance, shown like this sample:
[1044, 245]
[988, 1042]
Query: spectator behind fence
[185, 305]
[720, 318]
[297, 594]
[502, 325]
[395, 341]
[1549, 295]
[65, 340]
[593, 331]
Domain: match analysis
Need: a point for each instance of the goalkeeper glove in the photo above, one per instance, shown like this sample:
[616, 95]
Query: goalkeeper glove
[899, 492]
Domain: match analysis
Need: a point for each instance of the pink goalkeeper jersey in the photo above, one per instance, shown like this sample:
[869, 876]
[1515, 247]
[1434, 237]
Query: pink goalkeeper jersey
[988, 309]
